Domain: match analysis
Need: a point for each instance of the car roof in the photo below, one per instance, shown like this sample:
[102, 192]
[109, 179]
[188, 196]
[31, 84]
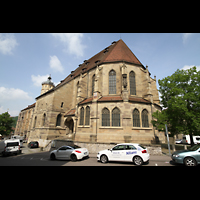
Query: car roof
[127, 144]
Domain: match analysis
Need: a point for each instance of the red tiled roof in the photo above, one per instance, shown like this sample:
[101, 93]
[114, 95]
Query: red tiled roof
[71, 112]
[29, 106]
[118, 51]
[86, 101]
[110, 98]
[121, 52]
[140, 100]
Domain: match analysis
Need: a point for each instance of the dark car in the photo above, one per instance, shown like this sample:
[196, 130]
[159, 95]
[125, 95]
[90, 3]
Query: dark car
[33, 144]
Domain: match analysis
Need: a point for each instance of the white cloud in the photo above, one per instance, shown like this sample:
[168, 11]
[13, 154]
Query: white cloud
[7, 43]
[55, 64]
[73, 42]
[190, 66]
[37, 80]
[13, 94]
[13, 100]
[185, 36]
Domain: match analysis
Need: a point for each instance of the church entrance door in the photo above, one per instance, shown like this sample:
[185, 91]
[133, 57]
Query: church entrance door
[69, 123]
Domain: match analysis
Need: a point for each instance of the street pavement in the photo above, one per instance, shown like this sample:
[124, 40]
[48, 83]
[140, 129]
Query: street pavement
[42, 159]
[36, 157]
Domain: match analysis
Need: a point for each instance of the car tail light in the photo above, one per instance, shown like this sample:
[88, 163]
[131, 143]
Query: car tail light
[19, 147]
[77, 151]
[144, 151]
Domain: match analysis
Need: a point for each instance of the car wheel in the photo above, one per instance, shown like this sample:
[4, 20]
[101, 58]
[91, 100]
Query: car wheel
[73, 158]
[137, 160]
[52, 156]
[190, 161]
[104, 159]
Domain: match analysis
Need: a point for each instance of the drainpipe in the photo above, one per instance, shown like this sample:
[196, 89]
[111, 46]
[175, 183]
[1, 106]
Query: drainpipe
[96, 118]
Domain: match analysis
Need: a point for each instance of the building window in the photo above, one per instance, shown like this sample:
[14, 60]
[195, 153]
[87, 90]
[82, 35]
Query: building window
[93, 80]
[112, 82]
[136, 118]
[58, 121]
[35, 122]
[115, 117]
[132, 83]
[145, 121]
[81, 116]
[44, 119]
[105, 117]
[87, 116]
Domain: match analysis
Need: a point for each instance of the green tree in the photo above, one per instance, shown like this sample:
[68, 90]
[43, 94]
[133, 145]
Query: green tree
[5, 124]
[180, 94]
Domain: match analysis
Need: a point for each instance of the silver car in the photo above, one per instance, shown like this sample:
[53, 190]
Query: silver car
[190, 157]
[73, 153]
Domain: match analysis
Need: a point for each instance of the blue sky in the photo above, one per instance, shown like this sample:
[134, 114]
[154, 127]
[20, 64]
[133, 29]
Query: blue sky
[26, 59]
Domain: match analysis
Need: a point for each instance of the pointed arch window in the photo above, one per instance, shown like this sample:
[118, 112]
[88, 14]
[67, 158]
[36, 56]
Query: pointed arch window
[58, 121]
[145, 120]
[35, 122]
[87, 116]
[112, 82]
[115, 117]
[105, 117]
[136, 118]
[81, 116]
[132, 83]
[44, 119]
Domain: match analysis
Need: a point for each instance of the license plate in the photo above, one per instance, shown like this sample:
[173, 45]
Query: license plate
[85, 153]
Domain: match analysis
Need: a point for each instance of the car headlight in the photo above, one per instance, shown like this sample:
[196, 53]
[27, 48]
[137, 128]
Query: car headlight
[175, 155]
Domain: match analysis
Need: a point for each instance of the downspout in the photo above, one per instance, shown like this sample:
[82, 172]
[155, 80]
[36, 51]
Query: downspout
[96, 119]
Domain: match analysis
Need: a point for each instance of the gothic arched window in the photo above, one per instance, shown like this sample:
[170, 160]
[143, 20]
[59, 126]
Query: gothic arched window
[132, 83]
[105, 117]
[87, 116]
[145, 120]
[35, 122]
[58, 121]
[44, 119]
[112, 82]
[81, 116]
[115, 117]
[136, 118]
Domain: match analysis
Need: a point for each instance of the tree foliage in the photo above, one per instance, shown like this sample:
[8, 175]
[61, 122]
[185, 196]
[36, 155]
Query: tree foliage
[5, 124]
[180, 94]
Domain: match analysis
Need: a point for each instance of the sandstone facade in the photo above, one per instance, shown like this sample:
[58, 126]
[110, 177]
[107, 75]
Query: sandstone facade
[109, 98]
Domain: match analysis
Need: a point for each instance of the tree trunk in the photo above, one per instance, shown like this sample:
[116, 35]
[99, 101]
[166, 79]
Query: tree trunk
[191, 140]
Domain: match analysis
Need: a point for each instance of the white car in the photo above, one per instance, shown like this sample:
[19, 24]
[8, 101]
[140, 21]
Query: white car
[73, 153]
[127, 152]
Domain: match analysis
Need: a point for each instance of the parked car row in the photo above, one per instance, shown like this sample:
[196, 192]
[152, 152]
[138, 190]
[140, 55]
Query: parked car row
[126, 152]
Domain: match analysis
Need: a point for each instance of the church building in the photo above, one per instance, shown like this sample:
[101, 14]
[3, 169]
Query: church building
[109, 98]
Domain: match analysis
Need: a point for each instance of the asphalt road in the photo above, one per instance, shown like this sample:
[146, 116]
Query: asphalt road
[42, 159]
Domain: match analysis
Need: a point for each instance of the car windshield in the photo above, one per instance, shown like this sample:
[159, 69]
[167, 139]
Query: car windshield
[195, 147]
[141, 146]
[75, 146]
[12, 144]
